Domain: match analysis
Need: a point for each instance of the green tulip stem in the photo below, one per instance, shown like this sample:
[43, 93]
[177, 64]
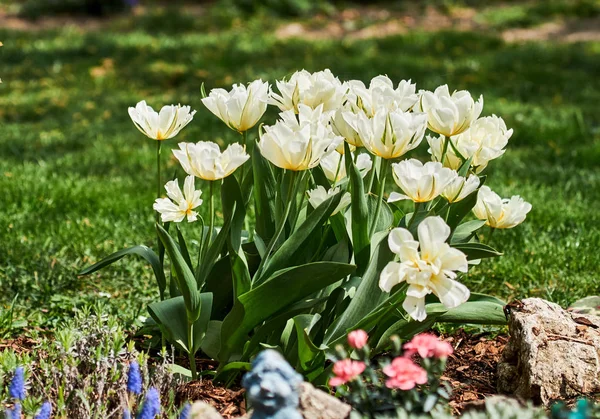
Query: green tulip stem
[383, 172]
[280, 227]
[337, 170]
[445, 148]
[489, 237]
[412, 219]
[245, 144]
[372, 174]
[158, 183]
[211, 215]
[191, 354]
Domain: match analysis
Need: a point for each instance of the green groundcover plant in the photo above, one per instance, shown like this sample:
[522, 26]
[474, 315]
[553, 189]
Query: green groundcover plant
[306, 247]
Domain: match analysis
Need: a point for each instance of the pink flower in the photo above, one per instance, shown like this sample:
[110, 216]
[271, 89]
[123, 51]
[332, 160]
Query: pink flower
[427, 346]
[357, 339]
[346, 370]
[404, 374]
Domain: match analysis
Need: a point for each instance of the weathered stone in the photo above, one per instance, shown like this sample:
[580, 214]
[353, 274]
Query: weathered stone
[551, 353]
[316, 404]
[202, 410]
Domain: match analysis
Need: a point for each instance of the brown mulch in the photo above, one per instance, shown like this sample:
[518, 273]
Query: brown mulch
[471, 370]
[229, 402]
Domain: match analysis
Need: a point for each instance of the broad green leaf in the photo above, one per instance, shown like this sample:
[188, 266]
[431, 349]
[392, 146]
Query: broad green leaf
[186, 282]
[405, 329]
[201, 325]
[184, 249]
[386, 217]
[234, 209]
[367, 296]
[264, 196]
[143, 251]
[171, 314]
[307, 350]
[360, 214]
[178, 369]
[472, 312]
[213, 253]
[278, 322]
[212, 340]
[477, 250]
[220, 284]
[466, 230]
[286, 254]
[283, 289]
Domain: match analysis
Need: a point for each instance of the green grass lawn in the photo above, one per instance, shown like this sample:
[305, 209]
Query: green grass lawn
[77, 178]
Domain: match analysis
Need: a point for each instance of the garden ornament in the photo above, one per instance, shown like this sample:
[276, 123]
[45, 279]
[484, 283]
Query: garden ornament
[272, 387]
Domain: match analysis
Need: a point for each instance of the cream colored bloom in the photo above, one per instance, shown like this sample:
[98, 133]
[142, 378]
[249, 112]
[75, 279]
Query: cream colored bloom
[498, 212]
[449, 114]
[180, 204]
[299, 142]
[242, 107]
[389, 134]
[160, 125]
[334, 163]
[205, 160]
[310, 89]
[342, 128]
[420, 182]
[436, 149]
[460, 188]
[319, 195]
[427, 266]
[485, 140]
[381, 94]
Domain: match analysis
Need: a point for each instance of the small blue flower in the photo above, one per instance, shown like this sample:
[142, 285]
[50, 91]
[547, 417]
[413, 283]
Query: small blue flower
[126, 414]
[17, 385]
[185, 412]
[15, 413]
[45, 411]
[151, 406]
[134, 379]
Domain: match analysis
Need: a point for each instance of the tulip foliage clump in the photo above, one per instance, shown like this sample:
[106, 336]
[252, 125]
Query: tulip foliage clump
[313, 239]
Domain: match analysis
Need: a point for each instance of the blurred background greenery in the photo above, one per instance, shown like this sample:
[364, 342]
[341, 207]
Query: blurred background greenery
[77, 178]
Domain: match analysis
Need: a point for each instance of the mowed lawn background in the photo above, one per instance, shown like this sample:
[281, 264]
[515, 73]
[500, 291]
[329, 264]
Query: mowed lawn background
[77, 178]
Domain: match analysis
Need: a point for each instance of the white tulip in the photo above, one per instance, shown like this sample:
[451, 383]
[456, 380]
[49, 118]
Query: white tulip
[460, 188]
[389, 134]
[342, 128]
[160, 125]
[436, 149]
[498, 212]
[334, 163]
[180, 204]
[319, 195]
[310, 89]
[427, 266]
[299, 142]
[242, 107]
[205, 160]
[381, 93]
[449, 114]
[420, 182]
[485, 140]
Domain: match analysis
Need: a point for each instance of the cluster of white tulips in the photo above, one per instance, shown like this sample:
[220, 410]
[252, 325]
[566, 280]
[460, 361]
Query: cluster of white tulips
[381, 124]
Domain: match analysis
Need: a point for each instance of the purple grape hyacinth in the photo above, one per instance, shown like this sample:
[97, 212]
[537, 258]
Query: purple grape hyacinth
[151, 406]
[45, 411]
[134, 379]
[17, 384]
[185, 412]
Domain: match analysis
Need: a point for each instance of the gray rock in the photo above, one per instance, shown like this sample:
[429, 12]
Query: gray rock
[202, 410]
[316, 404]
[551, 353]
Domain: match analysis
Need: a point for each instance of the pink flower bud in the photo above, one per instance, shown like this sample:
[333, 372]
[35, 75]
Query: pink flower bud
[357, 339]
[346, 370]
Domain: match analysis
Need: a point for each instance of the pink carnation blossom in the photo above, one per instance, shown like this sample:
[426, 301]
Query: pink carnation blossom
[428, 346]
[346, 370]
[357, 339]
[404, 374]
